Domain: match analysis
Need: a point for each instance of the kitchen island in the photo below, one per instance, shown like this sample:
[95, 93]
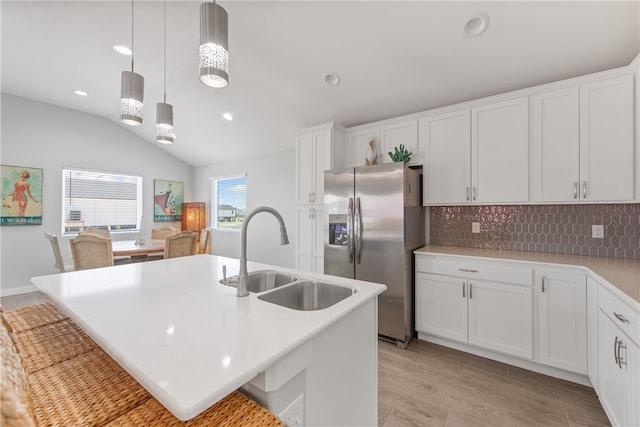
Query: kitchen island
[190, 341]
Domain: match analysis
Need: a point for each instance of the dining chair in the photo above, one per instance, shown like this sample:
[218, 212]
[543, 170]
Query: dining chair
[91, 251]
[204, 240]
[160, 233]
[180, 244]
[57, 254]
[96, 231]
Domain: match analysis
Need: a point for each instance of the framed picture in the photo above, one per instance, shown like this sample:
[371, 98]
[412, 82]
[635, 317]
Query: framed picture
[167, 200]
[21, 195]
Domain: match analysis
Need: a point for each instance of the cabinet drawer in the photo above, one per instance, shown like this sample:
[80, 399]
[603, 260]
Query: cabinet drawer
[491, 271]
[623, 315]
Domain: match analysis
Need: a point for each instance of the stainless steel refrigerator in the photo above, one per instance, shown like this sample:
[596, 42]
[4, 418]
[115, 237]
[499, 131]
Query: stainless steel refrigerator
[373, 222]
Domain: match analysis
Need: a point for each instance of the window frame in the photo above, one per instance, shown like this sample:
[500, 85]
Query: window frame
[139, 199]
[214, 201]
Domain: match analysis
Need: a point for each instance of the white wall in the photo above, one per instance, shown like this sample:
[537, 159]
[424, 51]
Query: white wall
[270, 182]
[48, 137]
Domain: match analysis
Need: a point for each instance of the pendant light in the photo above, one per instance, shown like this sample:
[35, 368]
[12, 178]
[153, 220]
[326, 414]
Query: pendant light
[131, 91]
[214, 48]
[164, 111]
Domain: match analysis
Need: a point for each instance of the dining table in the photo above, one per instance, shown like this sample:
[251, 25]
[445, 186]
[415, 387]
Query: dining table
[137, 248]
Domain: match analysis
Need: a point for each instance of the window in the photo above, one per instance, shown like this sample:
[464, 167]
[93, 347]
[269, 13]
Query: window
[229, 195]
[100, 199]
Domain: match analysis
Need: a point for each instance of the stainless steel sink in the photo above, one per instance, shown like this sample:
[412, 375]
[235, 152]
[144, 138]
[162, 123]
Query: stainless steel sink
[263, 280]
[308, 296]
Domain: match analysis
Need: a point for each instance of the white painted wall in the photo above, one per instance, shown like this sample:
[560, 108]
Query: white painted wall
[270, 182]
[48, 137]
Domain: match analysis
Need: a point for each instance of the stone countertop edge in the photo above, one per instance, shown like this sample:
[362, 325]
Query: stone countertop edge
[622, 274]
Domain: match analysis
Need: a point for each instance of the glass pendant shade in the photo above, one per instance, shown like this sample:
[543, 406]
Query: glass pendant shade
[131, 98]
[214, 48]
[164, 123]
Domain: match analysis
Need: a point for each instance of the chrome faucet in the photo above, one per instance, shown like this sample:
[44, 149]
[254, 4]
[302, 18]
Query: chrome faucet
[284, 240]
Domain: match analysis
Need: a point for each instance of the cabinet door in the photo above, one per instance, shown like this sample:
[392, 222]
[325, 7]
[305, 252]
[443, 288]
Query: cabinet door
[405, 133]
[562, 321]
[322, 162]
[445, 143]
[500, 317]
[556, 143]
[359, 144]
[304, 168]
[613, 374]
[592, 331]
[500, 152]
[441, 306]
[606, 140]
[317, 216]
[304, 240]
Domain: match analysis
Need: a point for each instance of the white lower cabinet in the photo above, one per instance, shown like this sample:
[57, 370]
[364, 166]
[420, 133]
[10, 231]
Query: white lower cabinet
[496, 316]
[619, 360]
[592, 331]
[562, 320]
[500, 317]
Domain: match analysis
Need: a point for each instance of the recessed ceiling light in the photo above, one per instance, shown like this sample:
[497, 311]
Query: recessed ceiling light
[477, 25]
[332, 79]
[80, 92]
[228, 116]
[122, 50]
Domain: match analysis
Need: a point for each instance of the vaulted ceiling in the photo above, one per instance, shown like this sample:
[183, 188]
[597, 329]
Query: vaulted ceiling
[392, 57]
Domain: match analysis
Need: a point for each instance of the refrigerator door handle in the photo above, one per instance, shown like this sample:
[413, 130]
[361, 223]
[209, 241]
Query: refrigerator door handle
[358, 230]
[350, 230]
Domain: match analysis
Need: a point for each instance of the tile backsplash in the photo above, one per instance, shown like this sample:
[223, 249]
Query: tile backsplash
[541, 228]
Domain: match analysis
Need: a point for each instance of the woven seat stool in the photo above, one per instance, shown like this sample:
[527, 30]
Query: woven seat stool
[55, 374]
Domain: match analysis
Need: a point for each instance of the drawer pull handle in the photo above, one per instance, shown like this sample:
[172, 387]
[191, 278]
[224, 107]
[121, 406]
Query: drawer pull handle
[468, 270]
[470, 290]
[620, 317]
[615, 351]
[464, 285]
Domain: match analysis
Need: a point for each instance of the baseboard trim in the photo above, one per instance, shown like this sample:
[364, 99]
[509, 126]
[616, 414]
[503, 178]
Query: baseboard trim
[509, 360]
[17, 291]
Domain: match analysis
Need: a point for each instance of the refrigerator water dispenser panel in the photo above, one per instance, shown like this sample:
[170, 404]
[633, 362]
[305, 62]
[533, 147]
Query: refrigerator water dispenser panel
[338, 230]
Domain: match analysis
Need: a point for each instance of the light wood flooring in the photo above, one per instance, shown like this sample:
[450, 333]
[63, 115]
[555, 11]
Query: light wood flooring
[430, 385]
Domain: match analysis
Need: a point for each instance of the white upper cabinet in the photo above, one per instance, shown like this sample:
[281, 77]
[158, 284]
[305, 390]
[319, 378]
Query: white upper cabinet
[317, 151]
[607, 140]
[445, 143]
[405, 133]
[500, 152]
[478, 155]
[556, 146]
[358, 144]
[583, 146]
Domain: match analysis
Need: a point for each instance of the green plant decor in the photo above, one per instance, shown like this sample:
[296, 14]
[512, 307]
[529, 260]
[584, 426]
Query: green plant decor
[400, 154]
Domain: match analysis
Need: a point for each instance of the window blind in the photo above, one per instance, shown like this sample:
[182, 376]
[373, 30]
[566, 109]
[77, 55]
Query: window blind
[100, 199]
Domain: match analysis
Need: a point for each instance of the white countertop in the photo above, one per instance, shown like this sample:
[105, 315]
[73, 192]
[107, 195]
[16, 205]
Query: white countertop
[186, 338]
[621, 273]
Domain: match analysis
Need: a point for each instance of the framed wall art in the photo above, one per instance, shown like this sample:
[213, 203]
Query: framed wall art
[21, 189]
[167, 200]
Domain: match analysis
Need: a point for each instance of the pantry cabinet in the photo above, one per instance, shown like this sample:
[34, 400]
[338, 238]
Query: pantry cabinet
[317, 149]
[583, 146]
[562, 320]
[477, 155]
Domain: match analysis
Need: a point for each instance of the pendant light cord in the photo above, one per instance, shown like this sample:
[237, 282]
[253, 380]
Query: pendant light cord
[132, 36]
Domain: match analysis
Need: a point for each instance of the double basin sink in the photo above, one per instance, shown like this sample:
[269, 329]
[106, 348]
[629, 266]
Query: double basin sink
[288, 291]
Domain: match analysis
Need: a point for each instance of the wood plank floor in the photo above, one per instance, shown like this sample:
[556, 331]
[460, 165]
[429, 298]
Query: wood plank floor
[430, 385]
